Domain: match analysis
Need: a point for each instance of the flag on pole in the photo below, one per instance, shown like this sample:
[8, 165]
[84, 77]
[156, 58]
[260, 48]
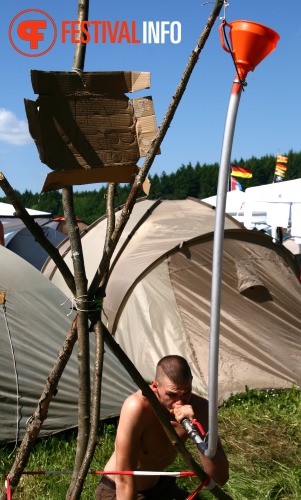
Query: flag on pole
[235, 185]
[241, 172]
[281, 168]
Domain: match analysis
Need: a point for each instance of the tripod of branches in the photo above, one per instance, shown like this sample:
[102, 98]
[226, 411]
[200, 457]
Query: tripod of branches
[84, 322]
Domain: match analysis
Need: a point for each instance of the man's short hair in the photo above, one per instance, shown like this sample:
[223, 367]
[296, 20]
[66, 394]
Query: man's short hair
[175, 368]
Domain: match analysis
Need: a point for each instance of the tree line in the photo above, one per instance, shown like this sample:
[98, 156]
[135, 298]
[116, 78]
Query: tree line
[199, 181]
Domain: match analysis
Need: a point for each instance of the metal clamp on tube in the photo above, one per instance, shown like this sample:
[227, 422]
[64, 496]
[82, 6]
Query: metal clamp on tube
[193, 432]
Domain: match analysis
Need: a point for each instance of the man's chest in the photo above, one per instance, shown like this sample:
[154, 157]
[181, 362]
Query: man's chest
[156, 446]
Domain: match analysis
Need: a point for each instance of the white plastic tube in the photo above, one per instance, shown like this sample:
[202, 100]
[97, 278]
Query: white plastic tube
[217, 261]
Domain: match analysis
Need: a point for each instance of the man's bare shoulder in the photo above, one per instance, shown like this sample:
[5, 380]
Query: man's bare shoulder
[133, 417]
[136, 403]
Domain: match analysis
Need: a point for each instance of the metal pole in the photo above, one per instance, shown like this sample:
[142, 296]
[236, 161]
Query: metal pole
[222, 188]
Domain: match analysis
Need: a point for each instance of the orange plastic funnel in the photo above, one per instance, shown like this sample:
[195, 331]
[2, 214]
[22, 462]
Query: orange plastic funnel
[250, 44]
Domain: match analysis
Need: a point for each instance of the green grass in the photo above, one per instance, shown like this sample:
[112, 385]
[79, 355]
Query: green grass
[260, 431]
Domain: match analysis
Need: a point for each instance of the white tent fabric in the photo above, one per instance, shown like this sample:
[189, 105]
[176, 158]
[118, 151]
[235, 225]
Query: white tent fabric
[158, 296]
[274, 199]
[33, 325]
[8, 210]
[274, 204]
[235, 201]
[277, 192]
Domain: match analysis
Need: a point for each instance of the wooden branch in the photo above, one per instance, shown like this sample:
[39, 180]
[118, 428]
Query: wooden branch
[95, 413]
[81, 290]
[140, 178]
[98, 364]
[80, 48]
[83, 353]
[37, 232]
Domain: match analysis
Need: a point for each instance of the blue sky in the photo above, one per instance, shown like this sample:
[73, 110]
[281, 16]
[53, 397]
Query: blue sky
[268, 119]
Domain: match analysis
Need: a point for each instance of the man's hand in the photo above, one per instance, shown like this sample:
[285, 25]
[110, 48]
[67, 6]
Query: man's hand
[183, 411]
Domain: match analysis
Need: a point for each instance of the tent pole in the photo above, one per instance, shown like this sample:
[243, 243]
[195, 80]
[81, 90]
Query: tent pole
[222, 188]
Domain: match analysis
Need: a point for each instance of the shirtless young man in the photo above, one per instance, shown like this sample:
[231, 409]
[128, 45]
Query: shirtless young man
[141, 442]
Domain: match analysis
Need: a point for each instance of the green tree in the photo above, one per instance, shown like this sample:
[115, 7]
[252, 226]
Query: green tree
[199, 181]
[208, 180]
[186, 182]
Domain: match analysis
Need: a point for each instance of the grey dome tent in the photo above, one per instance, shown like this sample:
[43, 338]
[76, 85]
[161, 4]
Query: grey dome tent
[34, 320]
[23, 243]
[20, 240]
[158, 295]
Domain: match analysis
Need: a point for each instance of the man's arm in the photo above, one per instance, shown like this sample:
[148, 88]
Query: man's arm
[217, 467]
[127, 447]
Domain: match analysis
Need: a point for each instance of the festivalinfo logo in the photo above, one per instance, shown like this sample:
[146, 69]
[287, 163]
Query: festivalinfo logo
[33, 32]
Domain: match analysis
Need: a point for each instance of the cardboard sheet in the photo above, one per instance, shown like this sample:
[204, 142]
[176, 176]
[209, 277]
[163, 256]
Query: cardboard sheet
[86, 129]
